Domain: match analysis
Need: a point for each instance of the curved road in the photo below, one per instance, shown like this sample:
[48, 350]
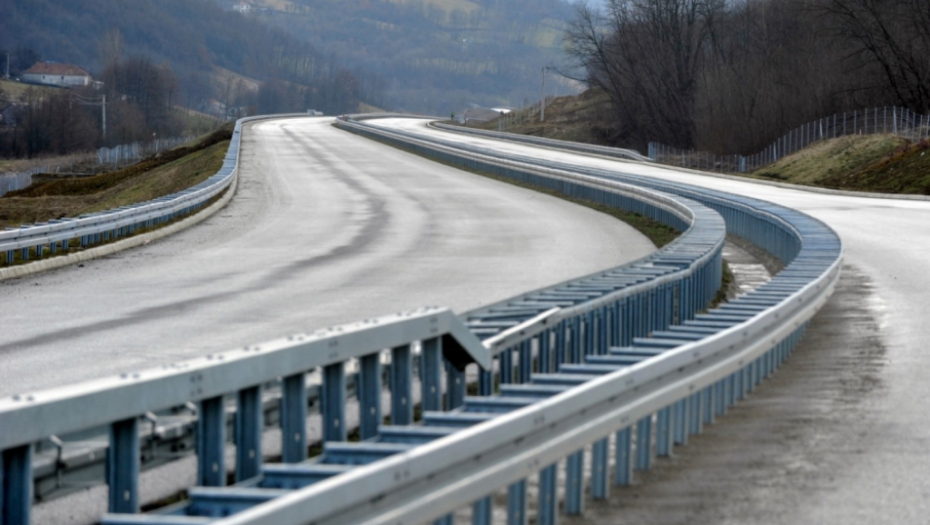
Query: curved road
[840, 435]
[326, 228]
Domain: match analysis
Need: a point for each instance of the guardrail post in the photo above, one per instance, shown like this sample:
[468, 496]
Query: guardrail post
[623, 466]
[455, 386]
[431, 363]
[644, 443]
[732, 385]
[574, 484]
[613, 325]
[485, 382]
[401, 385]
[516, 503]
[369, 395]
[248, 433]
[721, 389]
[681, 421]
[741, 383]
[482, 511]
[697, 418]
[600, 488]
[333, 402]
[16, 485]
[708, 394]
[626, 322]
[505, 363]
[664, 432]
[545, 351]
[574, 347]
[589, 338]
[560, 345]
[526, 362]
[211, 440]
[548, 497]
[294, 418]
[123, 466]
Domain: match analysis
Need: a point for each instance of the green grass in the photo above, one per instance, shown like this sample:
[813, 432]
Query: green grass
[869, 163]
[164, 174]
[16, 89]
[196, 123]
[827, 158]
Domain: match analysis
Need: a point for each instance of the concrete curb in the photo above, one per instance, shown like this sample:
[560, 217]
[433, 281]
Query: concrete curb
[26, 270]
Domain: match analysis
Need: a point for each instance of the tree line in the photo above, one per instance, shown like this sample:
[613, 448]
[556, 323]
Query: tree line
[135, 104]
[730, 77]
[153, 57]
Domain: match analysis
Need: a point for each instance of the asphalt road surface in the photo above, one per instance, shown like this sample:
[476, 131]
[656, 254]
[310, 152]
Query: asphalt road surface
[326, 228]
[840, 434]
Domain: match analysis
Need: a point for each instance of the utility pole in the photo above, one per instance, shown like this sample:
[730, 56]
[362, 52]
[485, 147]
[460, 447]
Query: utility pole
[103, 107]
[7, 75]
[542, 107]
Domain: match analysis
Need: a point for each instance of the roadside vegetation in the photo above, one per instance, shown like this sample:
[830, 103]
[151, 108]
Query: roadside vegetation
[868, 163]
[163, 174]
[876, 163]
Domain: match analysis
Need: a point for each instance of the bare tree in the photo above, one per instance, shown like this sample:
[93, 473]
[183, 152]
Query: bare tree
[894, 37]
[646, 55]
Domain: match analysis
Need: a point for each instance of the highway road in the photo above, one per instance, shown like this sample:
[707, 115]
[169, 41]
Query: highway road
[840, 434]
[326, 228]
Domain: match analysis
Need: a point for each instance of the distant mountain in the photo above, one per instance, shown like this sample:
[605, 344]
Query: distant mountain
[431, 56]
[434, 55]
[214, 52]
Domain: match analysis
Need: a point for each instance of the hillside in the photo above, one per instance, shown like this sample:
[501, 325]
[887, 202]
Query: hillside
[435, 56]
[874, 163]
[429, 56]
[869, 163]
[215, 53]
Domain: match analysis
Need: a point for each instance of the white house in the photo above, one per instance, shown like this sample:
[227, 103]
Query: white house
[56, 74]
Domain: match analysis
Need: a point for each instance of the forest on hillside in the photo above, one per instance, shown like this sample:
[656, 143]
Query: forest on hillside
[205, 58]
[729, 77]
[435, 56]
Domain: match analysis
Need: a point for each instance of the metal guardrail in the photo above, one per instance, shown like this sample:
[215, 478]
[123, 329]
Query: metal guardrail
[568, 342]
[511, 330]
[676, 390]
[55, 236]
[621, 153]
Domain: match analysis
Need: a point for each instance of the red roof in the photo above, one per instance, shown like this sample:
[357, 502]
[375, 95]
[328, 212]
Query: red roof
[52, 68]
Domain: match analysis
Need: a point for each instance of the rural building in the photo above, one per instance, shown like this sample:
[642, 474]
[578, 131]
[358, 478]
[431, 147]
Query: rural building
[56, 74]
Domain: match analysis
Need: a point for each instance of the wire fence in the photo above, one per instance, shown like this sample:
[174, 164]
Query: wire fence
[17, 181]
[893, 120]
[528, 114]
[122, 155]
[131, 153]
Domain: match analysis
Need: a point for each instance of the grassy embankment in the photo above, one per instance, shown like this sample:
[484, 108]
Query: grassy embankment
[868, 163]
[161, 175]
